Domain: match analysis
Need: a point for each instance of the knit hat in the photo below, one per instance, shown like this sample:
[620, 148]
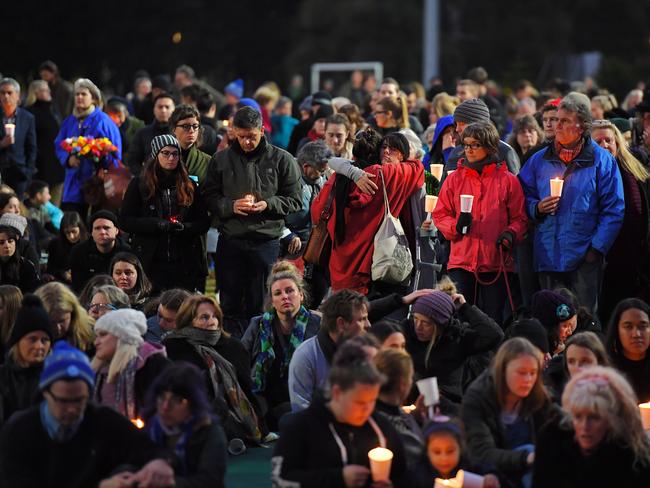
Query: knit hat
[163, 82]
[397, 141]
[473, 110]
[621, 124]
[126, 324]
[90, 86]
[158, 142]
[249, 102]
[102, 214]
[66, 362]
[532, 330]
[323, 112]
[31, 317]
[551, 308]
[437, 305]
[235, 88]
[321, 98]
[16, 221]
[306, 104]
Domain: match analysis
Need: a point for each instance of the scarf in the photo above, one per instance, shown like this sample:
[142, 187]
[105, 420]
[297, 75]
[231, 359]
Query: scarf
[478, 165]
[241, 416]
[82, 114]
[121, 397]
[160, 434]
[566, 154]
[265, 358]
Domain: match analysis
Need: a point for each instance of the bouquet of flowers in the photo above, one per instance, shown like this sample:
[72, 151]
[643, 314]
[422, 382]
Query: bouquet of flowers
[89, 147]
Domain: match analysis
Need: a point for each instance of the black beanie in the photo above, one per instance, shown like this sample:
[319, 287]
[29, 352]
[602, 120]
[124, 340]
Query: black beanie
[532, 330]
[31, 317]
[102, 214]
[551, 308]
[323, 112]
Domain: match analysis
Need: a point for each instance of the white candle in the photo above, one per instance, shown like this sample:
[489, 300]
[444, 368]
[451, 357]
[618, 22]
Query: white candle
[380, 461]
[10, 129]
[644, 408]
[436, 170]
[430, 202]
[451, 483]
[450, 171]
[556, 187]
[428, 388]
[466, 202]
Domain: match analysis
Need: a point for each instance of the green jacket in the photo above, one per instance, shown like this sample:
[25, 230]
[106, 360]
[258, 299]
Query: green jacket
[269, 173]
[197, 164]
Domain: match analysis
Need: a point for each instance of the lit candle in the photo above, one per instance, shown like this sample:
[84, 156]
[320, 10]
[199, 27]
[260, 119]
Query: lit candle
[380, 461]
[436, 170]
[430, 202]
[408, 408]
[451, 483]
[556, 187]
[644, 408]
[10, 129]
[450, 171]
[139, 423]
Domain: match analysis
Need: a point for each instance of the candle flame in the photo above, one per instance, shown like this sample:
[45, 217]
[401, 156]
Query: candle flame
[139, 423]
[408, 408]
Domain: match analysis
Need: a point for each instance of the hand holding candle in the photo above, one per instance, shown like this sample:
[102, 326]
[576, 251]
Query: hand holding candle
[10, 131]
[380, 461]
[436, 170]
[430, 202]
[644, 408]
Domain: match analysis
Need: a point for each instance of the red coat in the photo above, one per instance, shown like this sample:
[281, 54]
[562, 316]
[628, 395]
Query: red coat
[498, 206]
[351, 260]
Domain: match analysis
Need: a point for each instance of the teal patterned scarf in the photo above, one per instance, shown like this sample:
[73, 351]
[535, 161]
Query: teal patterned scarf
[265, 358]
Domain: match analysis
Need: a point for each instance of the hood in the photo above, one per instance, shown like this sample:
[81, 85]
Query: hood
[441, 125]
[148, 349]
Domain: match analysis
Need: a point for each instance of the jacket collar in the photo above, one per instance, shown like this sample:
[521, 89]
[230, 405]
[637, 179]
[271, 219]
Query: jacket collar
[261, 147]
[327, 345]
[584, 159]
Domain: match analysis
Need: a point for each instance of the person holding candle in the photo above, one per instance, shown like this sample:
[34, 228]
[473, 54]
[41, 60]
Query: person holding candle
[628, 259]
[483, 234]
[272, 338]
[503, 410]
[87, 120]
[446, 454]
[178, 417]
[628, 341]
[17, 139]
[166, 216]
[573, 232]
[599, 439]
[328, 443]
[126, 365]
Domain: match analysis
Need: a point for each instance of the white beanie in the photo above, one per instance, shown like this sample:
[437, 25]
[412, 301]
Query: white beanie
[126, 324]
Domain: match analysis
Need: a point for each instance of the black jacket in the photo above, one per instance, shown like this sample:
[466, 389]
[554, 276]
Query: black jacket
[18, 388]
[58, 257]
[485, 433]
[86, 261]
[27, 280]
[140, 148]
[48, 167]
[471, 333]
[104, 441]
[308, 455]
[560, 463]
[142, 217]
[269, 173]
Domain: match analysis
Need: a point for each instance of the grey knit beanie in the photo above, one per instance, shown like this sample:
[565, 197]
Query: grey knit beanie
[473, 110]
[159, 142]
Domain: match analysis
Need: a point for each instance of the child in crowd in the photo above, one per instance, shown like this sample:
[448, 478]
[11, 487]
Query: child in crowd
[38, 197]
[445, 456]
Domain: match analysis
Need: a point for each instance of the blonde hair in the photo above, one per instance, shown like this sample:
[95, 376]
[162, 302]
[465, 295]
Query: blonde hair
[285, 270]
[509, 351]
[447, 286]
[395, 364]
[444, 104]
[626, 158]
[32, 90]
[124, 353]
[397, 106]
[57, 297]
[606, 392]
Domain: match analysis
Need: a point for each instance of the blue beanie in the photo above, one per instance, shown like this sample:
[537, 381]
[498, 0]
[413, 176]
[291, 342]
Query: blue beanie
[235, 88]
[66, 362]
[437, 305]
[249, 102]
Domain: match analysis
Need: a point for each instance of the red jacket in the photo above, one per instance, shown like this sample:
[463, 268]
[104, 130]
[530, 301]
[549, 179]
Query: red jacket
[351, 260]
[498, 206]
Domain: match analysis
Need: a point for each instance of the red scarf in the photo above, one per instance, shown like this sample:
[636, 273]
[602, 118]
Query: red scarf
[568, 154]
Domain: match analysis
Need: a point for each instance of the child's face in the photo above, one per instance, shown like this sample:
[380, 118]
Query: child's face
[444, 453]
[43, 197]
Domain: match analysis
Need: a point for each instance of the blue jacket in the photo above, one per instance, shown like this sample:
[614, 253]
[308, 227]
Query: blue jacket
[97, 124]
[22, 153]
[441, 125]
[591, 207]
[282, 127]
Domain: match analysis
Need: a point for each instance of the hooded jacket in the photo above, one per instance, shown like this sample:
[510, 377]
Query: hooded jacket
[441, 125]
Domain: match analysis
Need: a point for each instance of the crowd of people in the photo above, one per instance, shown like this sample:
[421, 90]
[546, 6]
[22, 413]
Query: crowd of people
[358, 245]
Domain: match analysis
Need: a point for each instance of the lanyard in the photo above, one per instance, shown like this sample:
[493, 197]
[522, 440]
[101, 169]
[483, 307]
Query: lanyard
[342, 448]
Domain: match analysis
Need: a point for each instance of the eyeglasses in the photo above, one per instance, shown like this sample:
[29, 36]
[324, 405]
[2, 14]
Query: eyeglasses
[96, 307]
[68, 401]
[170, 154]
[474, 146]
[171, 400]
[189, 127]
